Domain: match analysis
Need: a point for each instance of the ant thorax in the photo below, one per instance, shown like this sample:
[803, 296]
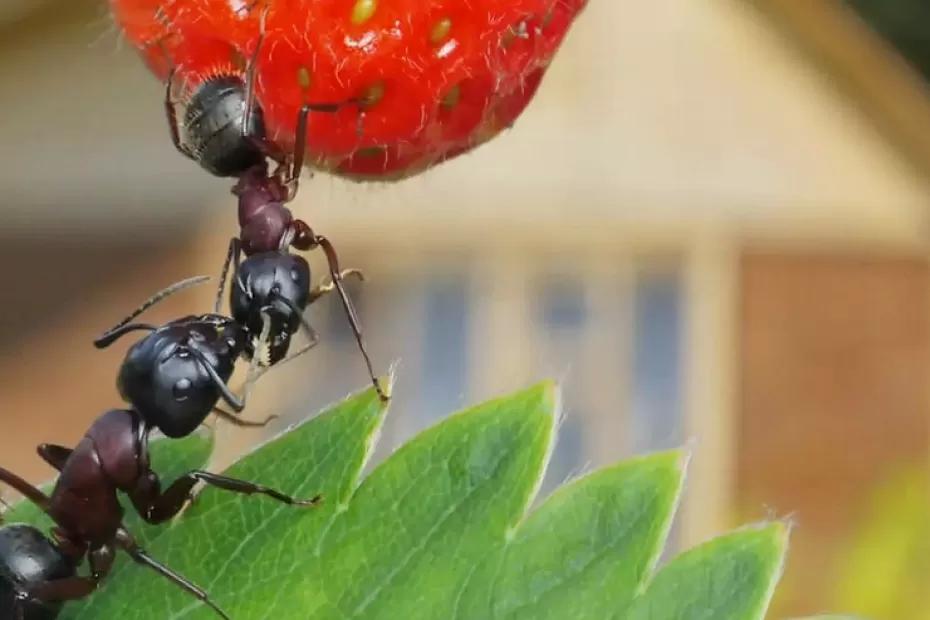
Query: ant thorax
[263, 218]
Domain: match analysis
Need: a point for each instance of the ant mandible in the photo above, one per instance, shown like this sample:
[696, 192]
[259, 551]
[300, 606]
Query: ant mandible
[224, 132]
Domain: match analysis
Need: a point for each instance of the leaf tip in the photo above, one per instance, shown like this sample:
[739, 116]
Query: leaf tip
[550, 393]
[387, 381]
[778, 529]
[773, 536]
[778, 534]
[683, 456]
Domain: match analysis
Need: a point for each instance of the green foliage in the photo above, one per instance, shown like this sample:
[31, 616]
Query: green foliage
[442, 530]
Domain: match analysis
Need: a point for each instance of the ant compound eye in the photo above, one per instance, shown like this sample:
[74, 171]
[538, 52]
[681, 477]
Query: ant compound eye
[230, 342]
[181, 389]
[295, 275]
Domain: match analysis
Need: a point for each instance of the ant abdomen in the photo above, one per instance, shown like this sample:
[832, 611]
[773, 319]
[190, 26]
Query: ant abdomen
[215, 127]
[28, 558]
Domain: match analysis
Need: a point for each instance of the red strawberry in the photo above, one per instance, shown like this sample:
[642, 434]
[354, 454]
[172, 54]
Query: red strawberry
[438, 78]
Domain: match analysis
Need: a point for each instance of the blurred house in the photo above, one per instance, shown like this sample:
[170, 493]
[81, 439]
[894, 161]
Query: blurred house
[711, 223]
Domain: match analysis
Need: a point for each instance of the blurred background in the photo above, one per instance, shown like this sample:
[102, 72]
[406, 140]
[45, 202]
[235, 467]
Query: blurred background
[712, 225]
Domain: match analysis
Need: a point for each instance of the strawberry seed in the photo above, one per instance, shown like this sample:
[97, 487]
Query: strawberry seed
[440, 31]
[363, 11]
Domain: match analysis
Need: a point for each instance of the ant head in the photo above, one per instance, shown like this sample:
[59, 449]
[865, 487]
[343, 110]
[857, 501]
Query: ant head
[174, 376]
[276, 284]
[28, 558]
[214, 121]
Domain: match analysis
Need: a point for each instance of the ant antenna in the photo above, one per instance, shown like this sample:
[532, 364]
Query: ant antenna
[30, 492]
[106, 338]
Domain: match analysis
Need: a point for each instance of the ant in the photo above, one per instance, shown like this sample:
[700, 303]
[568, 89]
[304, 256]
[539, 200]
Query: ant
[172, 379]
[224, 132]
[38, 574]
[176, 375]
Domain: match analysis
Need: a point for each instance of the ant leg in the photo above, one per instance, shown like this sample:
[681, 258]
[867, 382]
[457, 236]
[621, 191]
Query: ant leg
[71, 547]
[30, 492]
[54, 455]
[232, 257]
[174, 126]
[225, 393]
[65, 589]
[237, 421]
[269, 148]
[156, 506]
[300, 141]
[329, 287]
[228, 396]
[250, 76]
[235, 485]
[108, 336]
[333, 259]
[128, 544]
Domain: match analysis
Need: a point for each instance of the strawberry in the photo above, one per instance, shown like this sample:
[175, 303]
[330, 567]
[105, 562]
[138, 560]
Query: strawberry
[435, 78]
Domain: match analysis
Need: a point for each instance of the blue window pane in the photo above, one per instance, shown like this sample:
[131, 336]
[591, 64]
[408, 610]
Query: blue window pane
[445, 343]
[657, 408]
[562, 303]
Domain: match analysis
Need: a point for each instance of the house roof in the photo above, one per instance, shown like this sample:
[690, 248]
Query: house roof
[865, 67]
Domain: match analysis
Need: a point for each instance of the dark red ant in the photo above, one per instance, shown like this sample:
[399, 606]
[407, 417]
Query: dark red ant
[112, 457]
[224, 132]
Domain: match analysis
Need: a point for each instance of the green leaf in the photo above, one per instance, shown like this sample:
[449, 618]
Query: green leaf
[443, 529]
[733, 576]
[830, 617]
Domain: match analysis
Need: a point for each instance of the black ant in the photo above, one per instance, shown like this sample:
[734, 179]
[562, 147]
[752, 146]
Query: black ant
[176, 375]
[224, 132]
[38, 574]
[28, 558]
[172, 379]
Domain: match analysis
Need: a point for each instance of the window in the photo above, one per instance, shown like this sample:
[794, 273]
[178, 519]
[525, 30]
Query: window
[656, 409]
